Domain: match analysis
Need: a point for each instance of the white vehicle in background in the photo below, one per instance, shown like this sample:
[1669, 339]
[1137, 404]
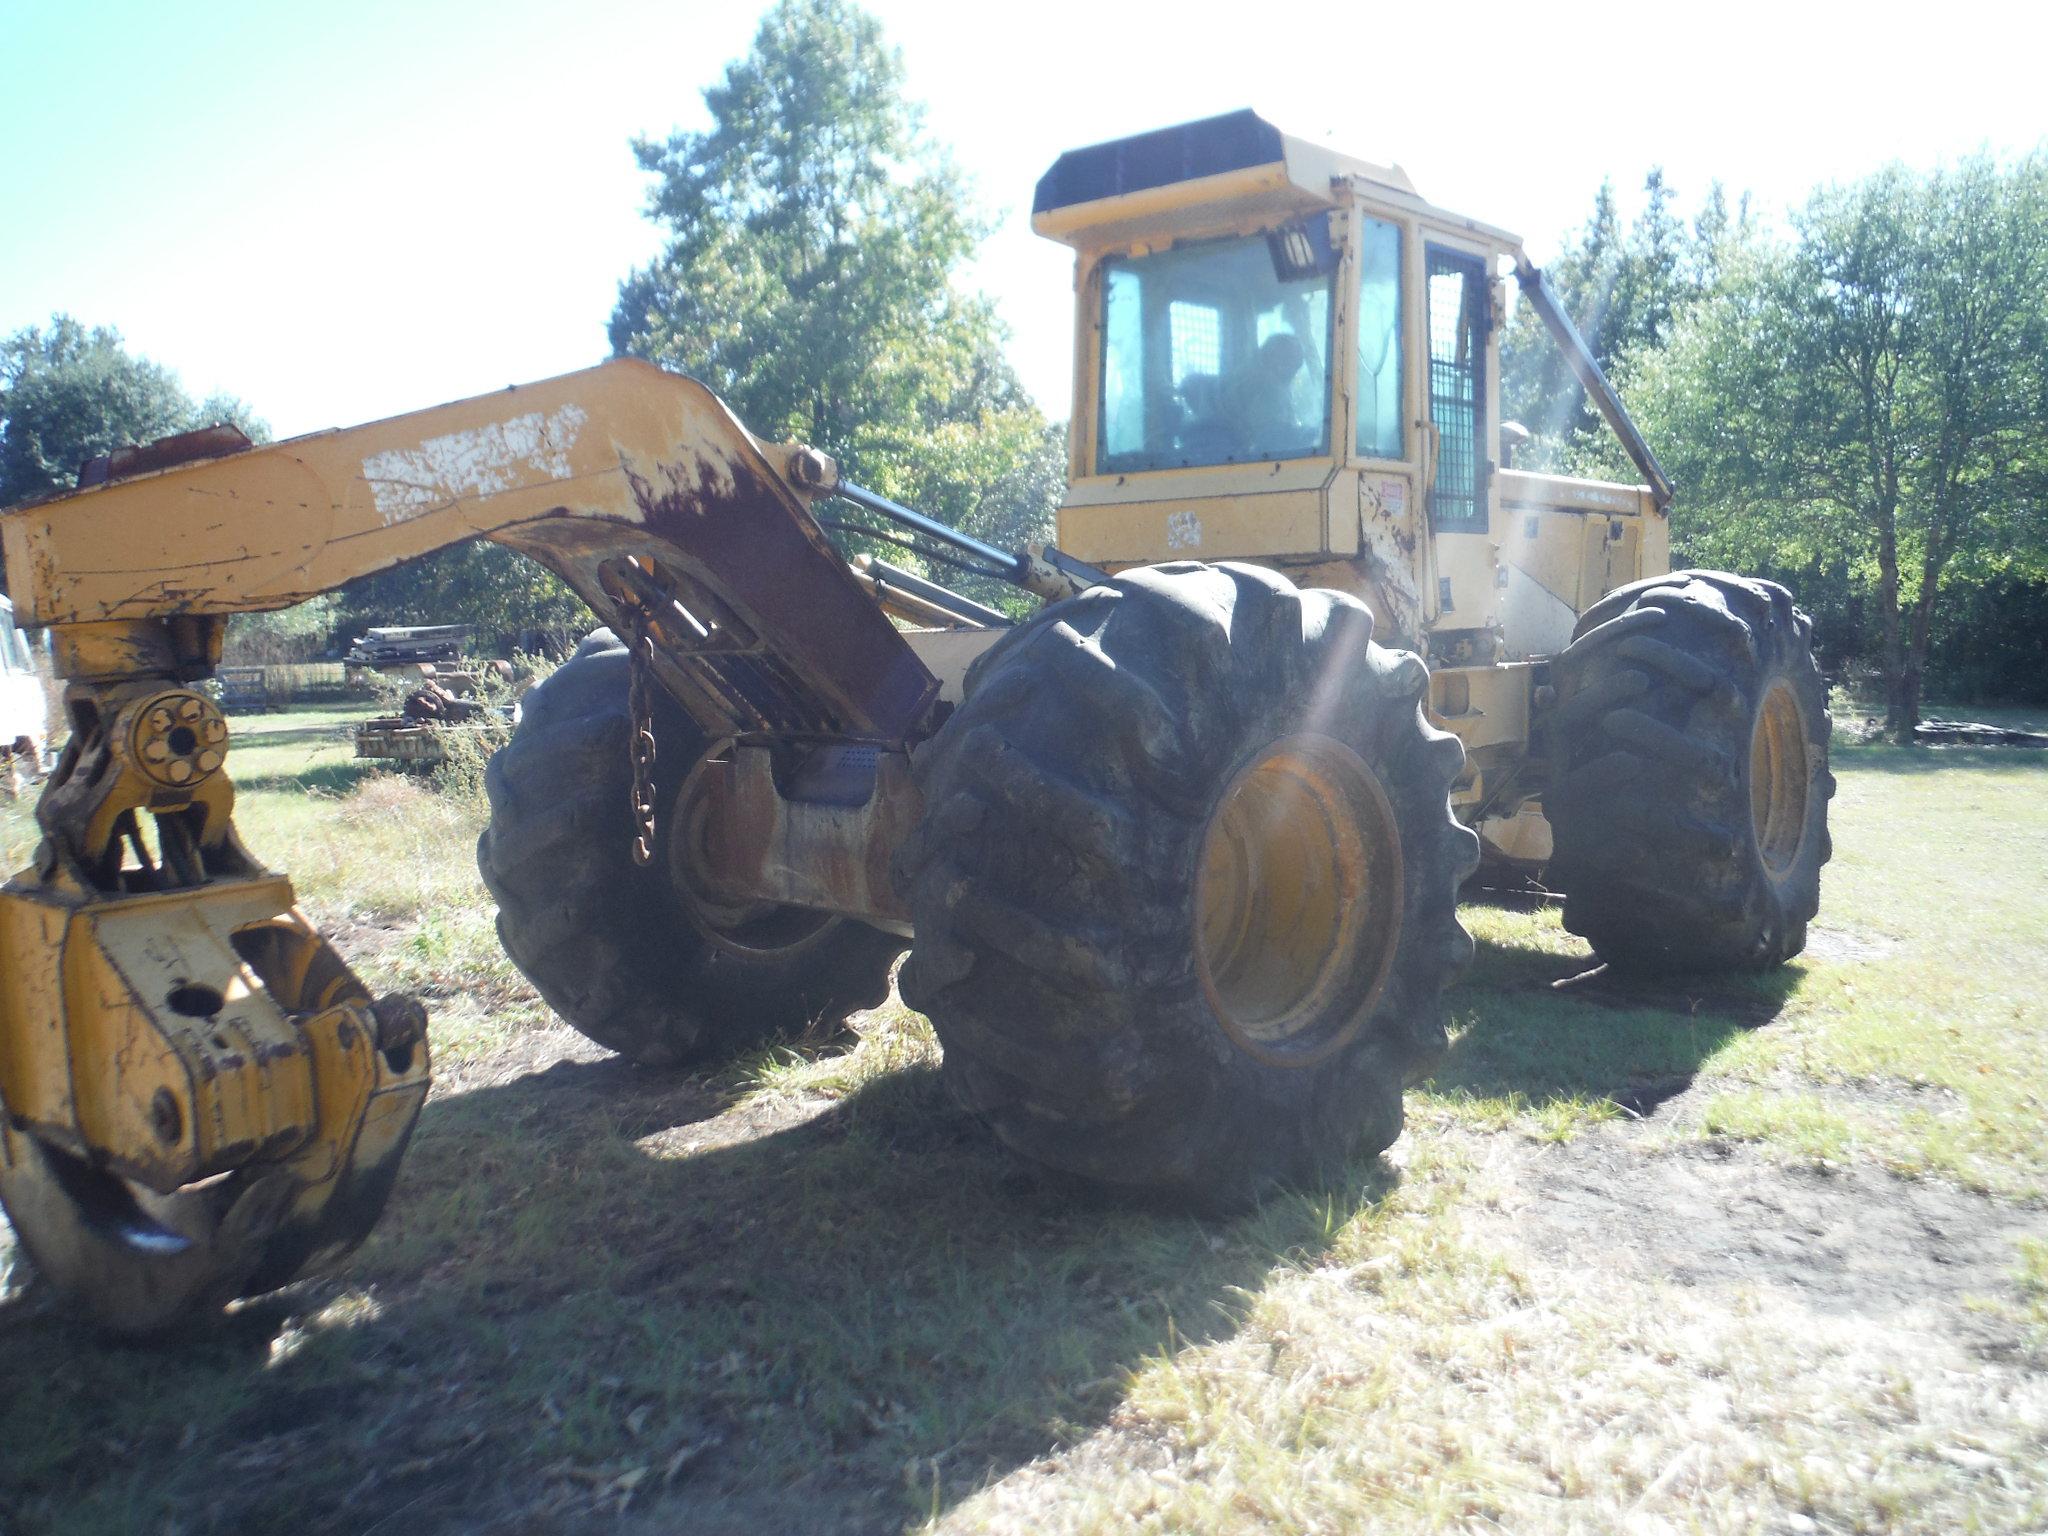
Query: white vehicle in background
[23, 708]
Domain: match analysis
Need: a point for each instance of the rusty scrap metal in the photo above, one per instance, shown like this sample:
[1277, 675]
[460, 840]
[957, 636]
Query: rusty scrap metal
[437, 704]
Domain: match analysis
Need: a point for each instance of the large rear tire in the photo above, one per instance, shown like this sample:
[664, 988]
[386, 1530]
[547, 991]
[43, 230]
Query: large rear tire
[625, 953]
[1185, 891]
[1689, 803]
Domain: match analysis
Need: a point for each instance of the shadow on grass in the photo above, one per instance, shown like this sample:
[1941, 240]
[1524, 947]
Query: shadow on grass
[335, 778]
[1634, 1040]
[839, 1325]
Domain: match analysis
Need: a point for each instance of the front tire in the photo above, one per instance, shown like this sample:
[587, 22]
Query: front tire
[1185, 889]
[625, 953]
[1689, 804]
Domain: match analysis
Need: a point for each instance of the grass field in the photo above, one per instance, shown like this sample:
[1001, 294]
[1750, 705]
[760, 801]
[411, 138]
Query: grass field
[1767, 1254]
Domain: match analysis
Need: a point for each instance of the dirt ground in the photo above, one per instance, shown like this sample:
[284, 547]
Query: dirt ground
[1850, 1272]
[1750, 1254]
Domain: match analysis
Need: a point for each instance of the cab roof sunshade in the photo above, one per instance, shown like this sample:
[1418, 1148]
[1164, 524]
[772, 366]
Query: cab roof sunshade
[1232, 142]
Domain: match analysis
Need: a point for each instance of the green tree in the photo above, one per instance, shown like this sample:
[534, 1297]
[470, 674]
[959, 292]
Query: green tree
[1717, 234]
[1980, 297]
[69, 393]
[509, 598]
[1652, 284]
[1871, 403]
[813, 233]
[1625, 290]
[1537, 387]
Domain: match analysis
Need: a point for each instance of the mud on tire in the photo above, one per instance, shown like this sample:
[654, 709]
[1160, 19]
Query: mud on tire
[1120, 938]
[1689, 743]
[620, 951]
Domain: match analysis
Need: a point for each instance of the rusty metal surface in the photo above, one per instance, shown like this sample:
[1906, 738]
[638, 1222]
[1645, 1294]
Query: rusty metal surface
[825, 844]
[396, 737]
[212, 442]
[758, 626]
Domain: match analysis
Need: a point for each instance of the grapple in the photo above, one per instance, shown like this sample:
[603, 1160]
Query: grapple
[201, 1100]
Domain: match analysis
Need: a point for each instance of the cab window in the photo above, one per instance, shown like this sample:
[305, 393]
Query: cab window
[1379, 341]
[1214, 353]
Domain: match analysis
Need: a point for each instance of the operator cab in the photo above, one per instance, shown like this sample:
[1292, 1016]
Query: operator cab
[1285, 354]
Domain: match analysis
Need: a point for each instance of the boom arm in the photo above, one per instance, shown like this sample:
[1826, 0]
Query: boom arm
[1580, 356]
[638, 487]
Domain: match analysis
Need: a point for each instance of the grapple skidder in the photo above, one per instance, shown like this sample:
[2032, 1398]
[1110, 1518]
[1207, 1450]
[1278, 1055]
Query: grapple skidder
[1177, 857]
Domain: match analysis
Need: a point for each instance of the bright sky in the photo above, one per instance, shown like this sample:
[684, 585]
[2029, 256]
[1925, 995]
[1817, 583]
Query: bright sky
[339, 211]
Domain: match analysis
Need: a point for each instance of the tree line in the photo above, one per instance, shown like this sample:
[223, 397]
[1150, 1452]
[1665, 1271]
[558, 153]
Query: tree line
[1855, 405]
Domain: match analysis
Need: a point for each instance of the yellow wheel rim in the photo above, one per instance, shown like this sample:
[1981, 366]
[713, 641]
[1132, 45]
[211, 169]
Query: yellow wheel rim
[1778, 780]
[1298, 901]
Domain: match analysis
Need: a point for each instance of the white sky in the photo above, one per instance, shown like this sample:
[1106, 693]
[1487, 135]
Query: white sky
[339, 211]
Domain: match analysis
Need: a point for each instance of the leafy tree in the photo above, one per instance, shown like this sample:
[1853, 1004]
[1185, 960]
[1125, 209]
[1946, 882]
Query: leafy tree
[1717, 234]
[1624, 290]
[509, 598]
[813, 232]
[995, 476]
[69, 394]
[1537, 387]
[1871, 402]
[1652, 284]
[291, 634]
[1980, 395]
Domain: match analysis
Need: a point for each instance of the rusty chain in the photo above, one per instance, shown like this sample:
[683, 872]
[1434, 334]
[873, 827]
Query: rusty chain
[639, 704]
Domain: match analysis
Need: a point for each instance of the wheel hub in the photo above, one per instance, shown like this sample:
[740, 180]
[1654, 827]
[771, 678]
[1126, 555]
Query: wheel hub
[1298, 900]
[1778, 780]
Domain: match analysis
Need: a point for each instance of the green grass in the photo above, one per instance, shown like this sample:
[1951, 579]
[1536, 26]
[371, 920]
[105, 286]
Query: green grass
[1912, 1028]
[804, 1292]
[1931, 1033]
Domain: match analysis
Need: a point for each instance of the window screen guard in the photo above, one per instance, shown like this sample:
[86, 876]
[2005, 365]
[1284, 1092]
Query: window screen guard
[1457, 303]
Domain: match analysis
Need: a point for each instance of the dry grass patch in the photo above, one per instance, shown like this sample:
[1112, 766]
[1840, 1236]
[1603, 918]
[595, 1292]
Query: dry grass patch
[1439, 1373]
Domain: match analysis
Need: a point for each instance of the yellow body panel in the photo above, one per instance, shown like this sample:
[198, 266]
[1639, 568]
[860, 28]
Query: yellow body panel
[1534, 568]
[188, 1093]
[1251, 525]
